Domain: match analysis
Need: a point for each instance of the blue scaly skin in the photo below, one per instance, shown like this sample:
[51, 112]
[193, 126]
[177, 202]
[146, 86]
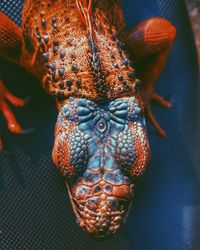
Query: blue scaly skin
[101, 149]
[79, 53]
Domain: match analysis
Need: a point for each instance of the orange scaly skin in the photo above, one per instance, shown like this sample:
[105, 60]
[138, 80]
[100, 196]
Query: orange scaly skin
[75, 49]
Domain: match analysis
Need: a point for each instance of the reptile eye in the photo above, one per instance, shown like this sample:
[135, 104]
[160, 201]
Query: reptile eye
[101, 126]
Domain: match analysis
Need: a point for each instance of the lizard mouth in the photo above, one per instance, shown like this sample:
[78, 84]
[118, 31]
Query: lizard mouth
[101, 216]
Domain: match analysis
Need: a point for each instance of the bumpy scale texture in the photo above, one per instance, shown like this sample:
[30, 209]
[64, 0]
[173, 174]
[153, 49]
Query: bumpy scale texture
[73, 48]
[107, 149]
[76, 61]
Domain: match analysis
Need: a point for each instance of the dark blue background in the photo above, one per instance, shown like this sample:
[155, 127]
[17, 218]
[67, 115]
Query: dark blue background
[35, 208]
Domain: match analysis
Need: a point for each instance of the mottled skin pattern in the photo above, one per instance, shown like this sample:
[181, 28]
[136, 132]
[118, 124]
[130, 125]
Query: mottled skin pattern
[76, 51]
[103, 144]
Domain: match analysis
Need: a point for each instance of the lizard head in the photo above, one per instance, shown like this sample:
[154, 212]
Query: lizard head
[101, 149]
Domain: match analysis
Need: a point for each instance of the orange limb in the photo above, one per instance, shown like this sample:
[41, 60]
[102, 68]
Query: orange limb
[10, 49]
[7, 97]
[149, 43]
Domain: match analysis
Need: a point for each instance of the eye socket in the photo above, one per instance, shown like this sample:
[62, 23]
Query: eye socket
[102, 126]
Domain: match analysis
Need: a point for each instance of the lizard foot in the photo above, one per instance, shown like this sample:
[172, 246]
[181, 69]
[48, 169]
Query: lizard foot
[154, 97]
[5, 98]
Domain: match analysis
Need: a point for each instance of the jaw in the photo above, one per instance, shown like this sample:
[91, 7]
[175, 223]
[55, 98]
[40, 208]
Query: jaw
[103, 219]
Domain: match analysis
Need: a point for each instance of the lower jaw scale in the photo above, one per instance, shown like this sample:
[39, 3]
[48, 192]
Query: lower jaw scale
[103, 230]
[100, 225]
[100, 221]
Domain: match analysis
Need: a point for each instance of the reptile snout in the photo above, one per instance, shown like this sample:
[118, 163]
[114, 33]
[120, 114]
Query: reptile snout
[101, 209]
[101, 149]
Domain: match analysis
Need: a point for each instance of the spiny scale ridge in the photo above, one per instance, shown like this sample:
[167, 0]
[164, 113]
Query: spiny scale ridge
[69, 64]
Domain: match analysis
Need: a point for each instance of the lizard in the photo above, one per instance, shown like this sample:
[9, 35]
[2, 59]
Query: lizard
[81, 55]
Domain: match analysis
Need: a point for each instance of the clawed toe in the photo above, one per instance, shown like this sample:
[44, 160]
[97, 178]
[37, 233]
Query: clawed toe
[154, 97]
[12, 124]
[27, 100]
[7, 96]
[22, 132]
[160, 100]
[154, 121]
[27, 131]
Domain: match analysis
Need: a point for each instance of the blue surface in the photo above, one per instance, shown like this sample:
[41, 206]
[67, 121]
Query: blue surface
[167, 204]
[172, 182]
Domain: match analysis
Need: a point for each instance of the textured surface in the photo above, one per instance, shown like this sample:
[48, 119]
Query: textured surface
[76, 53]
[31, 184]
[71, 58]
[101, 150]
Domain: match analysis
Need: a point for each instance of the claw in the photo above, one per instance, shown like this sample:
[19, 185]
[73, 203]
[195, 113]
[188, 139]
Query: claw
[5, 97]
[27, 131]
[12, 124]
[155, 123]
[27, 100]
[160, 100]
[149, 95]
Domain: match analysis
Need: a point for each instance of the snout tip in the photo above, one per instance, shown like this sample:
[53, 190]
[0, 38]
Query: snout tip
[101, 226]
[103, 222]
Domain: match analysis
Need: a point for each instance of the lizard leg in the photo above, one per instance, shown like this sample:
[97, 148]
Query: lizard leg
[10, 49]
[5, 97]
[149, 43]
